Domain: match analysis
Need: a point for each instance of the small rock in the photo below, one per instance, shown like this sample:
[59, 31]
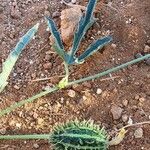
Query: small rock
[138, 133]
[142, 99]
[137, 97]
[16, 87]
[33, 75]
[15, 13]
[40, 121]
[105, 94]
[99, 91]
[148, 76]
[148, 42]
[73, 1]
[1, 9]
[146, 49]
[61, 100]
[130, 121]
[47, 57]
[47, 65]
[138, 55]
[18, 125]
[35, 115]
[113, 45]
[124, 118]
[47, 13]
[125, 102]
[3, 131]
[71, 93]
[148, 61]
[56, 14]
[36, 146]
[116, 112]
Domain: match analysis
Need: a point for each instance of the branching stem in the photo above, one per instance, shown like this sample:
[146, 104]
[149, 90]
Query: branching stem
[29, 100]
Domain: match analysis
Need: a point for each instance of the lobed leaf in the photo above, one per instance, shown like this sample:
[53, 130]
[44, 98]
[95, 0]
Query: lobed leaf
[98, 44]
[58, 46]
[85, 23]
[13, 56]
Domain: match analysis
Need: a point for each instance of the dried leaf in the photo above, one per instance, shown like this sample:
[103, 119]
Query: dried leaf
[118, 138]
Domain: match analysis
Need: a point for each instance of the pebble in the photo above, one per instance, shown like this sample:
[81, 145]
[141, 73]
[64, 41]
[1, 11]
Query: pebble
[113, 45]
[47, 65]
[148, 42]
[36, 146]
[124, 118]
[47, 13]
[125, 102]
[3, 131]
[136, 97]
[16, 87]
[33, 75]
[99, 91]
[1, 9]
[147, 49]
[71, 93]
[148, 61]
[35, 115]
[116, 112]
[142, 99]
[47, 57]
[56, 14]
[18, 125]
[130, 121]
[15, 13]
[40, 121]
[138, 133]
[73, 1]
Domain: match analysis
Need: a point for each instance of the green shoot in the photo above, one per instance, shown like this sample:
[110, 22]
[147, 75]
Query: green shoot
[14, 55]
[84, 24]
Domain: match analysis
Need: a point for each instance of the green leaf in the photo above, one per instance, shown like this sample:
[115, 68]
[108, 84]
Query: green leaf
[13, 56]
[98, 44]
[58, 46]
[85, 23]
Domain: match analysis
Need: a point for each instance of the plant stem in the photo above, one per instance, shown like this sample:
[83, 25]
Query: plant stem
[109, 70]
[25, 137]
[29, 100]
[136, 124]
[21, 103]
[66, 69]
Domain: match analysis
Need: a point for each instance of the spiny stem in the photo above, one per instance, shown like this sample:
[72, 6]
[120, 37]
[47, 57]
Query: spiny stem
[25, 137]
[21, 103]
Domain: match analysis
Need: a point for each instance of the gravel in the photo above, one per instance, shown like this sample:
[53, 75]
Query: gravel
[138, 133]
[116, 112]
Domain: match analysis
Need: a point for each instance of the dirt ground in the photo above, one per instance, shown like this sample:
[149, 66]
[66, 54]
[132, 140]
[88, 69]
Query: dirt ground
[128, 21]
